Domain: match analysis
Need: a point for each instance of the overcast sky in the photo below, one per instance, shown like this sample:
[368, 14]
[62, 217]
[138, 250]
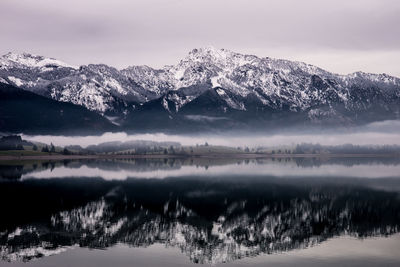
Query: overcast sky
[342, 36]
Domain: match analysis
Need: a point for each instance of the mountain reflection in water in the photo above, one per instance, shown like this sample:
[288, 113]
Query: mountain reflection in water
[210, 218]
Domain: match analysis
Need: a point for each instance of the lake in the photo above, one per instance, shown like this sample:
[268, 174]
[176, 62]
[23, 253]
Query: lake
[209, 211]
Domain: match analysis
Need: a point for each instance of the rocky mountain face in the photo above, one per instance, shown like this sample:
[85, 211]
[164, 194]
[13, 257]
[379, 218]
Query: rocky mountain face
[211, 87]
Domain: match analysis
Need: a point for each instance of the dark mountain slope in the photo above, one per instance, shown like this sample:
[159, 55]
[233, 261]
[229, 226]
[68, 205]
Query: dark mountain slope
[23, 111]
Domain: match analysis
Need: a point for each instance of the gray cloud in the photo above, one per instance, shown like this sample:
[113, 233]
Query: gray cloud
[341, 35]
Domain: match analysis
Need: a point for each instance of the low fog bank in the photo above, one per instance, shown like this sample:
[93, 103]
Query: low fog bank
[380, 133]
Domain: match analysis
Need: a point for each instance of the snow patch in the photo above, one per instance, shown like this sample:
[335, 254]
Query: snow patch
[214, 82]
[113, 120]
[165, 104]
[110, 82]
[3, 81]
[17, 81]
[221, 92]
[179, 74]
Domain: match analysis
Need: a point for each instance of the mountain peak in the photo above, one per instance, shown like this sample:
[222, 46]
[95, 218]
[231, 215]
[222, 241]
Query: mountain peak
[31, 61]
[221, 58]
[210, 52]
[15, 56]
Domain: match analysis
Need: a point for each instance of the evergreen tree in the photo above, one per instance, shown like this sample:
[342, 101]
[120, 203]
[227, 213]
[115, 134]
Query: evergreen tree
[52, 148]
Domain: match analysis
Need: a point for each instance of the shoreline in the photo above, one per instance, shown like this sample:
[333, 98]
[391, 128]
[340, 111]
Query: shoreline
[56, 157]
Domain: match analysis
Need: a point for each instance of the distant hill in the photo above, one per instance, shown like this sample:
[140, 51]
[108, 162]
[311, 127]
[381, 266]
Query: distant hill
[13, 142]
[24, 111]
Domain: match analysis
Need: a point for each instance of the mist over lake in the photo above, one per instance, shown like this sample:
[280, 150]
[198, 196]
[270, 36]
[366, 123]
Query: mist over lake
[382, 133]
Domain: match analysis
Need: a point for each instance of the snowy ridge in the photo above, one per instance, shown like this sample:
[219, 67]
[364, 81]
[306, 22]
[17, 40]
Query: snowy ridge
[273, 83]
[25, 60]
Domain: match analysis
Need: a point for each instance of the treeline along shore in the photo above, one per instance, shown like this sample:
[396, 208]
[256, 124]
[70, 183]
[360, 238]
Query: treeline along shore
[15, 148]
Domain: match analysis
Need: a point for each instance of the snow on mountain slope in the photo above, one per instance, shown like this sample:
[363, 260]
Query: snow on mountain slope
[152, 80]
[25, 60]
[273, 83]
[97, 87]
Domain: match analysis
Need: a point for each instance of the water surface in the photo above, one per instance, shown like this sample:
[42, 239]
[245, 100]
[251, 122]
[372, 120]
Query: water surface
[179, 212]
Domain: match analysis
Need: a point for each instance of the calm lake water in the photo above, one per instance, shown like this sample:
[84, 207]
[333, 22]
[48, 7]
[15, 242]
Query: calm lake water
[208, 211]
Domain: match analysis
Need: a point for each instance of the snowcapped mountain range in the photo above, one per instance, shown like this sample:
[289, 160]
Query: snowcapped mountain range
[210, 85]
